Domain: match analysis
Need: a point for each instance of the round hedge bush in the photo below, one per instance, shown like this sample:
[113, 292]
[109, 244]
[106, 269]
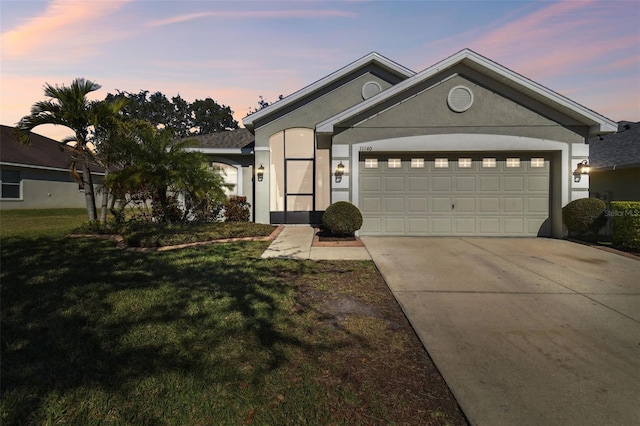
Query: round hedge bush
[342, 218]
[585, 215]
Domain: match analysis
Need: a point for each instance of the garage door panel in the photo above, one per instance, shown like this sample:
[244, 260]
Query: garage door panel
[441, 226]
[441, 183]
[515, 226]
[465, 204]
[417, 184]
[489, 205]
[537, 205]
[513, 204]
[465, 225]
[417, 204]
[371, 183]
[394, 225]
[418, 225]
[513, 183]
[455, 200]
[465, 183]
[538, 183]
[489, 183]
[441, 204]
[394, 183]
[371, 204]
[371, 225]
[489, 226]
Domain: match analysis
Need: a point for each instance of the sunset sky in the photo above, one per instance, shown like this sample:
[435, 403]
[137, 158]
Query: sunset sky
[236, 51]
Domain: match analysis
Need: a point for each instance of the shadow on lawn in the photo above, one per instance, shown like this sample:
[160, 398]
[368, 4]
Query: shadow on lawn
[79, 314]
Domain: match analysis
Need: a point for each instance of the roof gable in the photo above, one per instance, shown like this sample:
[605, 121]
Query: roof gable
[293, 100]
[597, 123]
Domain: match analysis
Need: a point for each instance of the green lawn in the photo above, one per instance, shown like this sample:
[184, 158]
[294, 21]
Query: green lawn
[209, 335]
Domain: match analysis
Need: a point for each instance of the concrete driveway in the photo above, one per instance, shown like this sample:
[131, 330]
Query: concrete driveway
[525, 331]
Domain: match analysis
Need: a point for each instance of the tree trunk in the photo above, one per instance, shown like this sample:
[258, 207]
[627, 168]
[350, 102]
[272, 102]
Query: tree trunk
[105, 199]
[87, 185]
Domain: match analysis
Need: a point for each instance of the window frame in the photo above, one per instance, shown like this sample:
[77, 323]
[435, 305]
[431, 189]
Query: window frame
[11, 184]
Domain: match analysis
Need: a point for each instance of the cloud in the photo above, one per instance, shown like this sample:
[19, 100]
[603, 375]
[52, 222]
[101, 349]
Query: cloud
[256, 14]
[56, 25]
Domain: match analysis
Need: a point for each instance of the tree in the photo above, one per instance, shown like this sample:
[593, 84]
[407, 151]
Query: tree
[69, 107]
[183, 118]
[210, 117]
[158, 165]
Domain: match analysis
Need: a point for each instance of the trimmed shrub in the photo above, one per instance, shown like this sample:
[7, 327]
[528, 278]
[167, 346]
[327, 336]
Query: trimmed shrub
[342, 218]
[626, 224]
[237, 209]
[584, 216]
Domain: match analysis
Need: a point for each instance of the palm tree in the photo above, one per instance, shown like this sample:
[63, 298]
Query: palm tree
[69, 107]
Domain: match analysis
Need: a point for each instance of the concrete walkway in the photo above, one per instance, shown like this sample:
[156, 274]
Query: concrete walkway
[526, 331]
[296, 242]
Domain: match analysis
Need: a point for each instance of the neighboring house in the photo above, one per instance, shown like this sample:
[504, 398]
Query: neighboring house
[466, 147]
[37, 176]
[615, 164]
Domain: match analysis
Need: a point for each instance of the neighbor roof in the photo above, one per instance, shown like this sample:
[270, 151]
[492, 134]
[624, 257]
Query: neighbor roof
[597, 123]
[372, 58]
[617, 149]
[238, 140]
[42, 153]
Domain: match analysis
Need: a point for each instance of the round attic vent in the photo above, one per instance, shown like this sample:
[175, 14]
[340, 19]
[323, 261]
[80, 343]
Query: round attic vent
[460, 98]
[370, 88]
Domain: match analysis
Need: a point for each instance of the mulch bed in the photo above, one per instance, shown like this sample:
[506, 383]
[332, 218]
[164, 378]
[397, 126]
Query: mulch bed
[322, 237]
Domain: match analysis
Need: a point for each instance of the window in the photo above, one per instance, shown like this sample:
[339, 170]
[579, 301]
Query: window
[417, 163]
[442, 163]
[537, 162]
[11, 180]
[489, 162]
[464, 163]
[371, 163]
[513, 162]
[229, 175]
[394, 163]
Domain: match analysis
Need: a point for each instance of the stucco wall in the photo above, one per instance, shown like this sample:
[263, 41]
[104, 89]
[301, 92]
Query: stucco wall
[427, 113]
[44, 189]
[306, 116]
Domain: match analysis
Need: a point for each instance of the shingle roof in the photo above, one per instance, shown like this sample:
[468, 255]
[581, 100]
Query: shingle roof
[234, 139]
[43, 152]
[616, 149]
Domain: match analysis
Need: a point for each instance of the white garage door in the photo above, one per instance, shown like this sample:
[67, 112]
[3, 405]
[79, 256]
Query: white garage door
[458, 194]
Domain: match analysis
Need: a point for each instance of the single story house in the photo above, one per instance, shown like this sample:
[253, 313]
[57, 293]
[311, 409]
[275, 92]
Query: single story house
[615, 164]
[37, 176]
[465, 147]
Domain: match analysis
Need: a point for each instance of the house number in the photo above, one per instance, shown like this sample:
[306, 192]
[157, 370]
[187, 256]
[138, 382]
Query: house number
[366, 148]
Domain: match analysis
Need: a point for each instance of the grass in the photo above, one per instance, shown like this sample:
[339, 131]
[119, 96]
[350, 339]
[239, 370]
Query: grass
[209, 335]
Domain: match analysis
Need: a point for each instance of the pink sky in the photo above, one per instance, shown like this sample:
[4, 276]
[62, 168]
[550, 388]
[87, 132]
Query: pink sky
[236, 51]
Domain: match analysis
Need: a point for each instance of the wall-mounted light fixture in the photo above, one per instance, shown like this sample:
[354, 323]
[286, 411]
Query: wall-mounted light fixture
[339, 172]
[260, 173]
[583, 168]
